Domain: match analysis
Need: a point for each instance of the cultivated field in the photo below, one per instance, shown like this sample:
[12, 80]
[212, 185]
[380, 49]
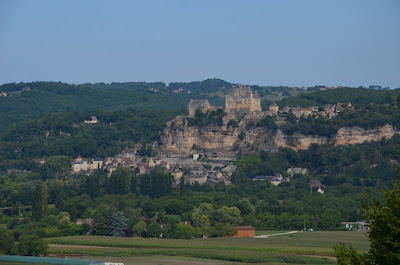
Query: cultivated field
[298, 248]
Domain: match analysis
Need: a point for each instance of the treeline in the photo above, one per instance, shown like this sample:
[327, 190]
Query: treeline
[206, 86]
[66, 134]
[345, 94]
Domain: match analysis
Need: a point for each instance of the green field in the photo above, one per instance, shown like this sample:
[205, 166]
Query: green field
[299, 248]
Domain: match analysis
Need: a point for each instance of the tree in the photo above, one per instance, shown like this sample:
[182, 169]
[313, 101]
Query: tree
[182, 186]
[230, 215]
[384, 219]
[118, 224]
[39, 202]
[56, 167]
[139, 228]
[205, 226]
[154, 230]
[156, 184]
[100, 228]
[183, 231]
[198, 212]
[32, 245]
[385, 226]
[120, 181]
[6, 242]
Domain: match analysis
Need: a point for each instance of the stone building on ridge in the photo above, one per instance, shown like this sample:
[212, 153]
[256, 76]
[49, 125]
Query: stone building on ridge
[201, 104]
[242, 101]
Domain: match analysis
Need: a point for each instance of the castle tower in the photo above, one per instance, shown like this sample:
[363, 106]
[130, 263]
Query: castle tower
[201, 104]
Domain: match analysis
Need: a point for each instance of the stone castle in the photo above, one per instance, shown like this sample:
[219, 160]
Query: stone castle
[242, 101]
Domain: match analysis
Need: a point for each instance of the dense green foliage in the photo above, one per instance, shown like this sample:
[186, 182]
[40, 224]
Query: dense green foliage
[6, 242]
[51, 97]
[201, 119]
[349, 255]
[32, 245]
[65, 134]
[384, 233]
[368, 164]
[39, 202]
[385, 227]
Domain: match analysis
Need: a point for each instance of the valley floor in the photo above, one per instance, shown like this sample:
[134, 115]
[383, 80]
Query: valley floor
[293, 248]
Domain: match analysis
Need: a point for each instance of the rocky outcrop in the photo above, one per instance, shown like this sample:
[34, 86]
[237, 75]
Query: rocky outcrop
[297, 141]
[179, 137]
[357, 135]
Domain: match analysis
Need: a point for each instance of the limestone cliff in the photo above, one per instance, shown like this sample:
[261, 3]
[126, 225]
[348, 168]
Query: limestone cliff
[357, 135]
[179, 137]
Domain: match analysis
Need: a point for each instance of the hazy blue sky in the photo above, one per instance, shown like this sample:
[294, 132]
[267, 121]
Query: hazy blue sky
[278, 42]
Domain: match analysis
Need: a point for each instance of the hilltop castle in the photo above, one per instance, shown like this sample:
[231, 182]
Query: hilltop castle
[240, 102]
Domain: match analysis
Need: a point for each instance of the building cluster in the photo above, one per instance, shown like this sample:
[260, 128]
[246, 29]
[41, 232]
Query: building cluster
[243, 103]
[198, 173]
[192, 171]
[328, 110]
[278, 178]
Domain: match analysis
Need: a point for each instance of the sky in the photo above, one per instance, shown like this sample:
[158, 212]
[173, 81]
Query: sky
[266, 42]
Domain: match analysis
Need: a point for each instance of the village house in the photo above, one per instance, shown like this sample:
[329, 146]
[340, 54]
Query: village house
[94, 120]
[3, 94]
[88, 221]
[130, 153]
[316, 184]
[201, 104]
[86, 166]
[274, 108]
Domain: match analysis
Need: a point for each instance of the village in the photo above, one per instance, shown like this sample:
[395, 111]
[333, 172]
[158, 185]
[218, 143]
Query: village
[195, 167]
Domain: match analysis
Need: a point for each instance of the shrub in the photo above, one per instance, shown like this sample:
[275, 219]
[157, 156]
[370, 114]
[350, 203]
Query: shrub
[184, 231]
